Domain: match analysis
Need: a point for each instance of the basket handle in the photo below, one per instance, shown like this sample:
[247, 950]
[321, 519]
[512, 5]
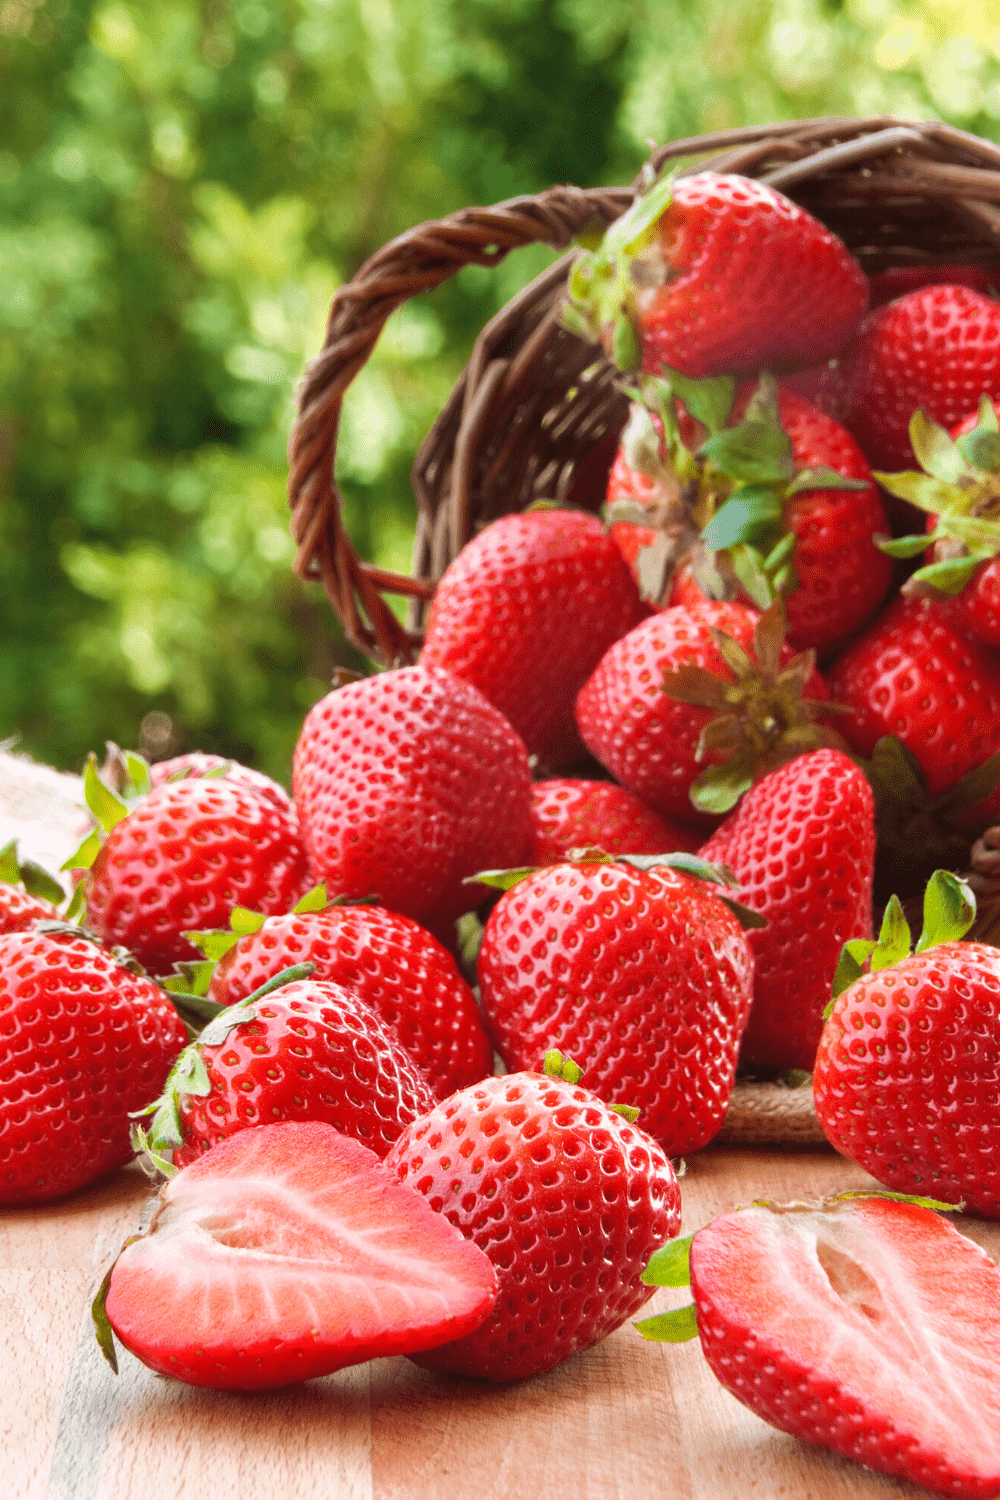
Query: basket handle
[415, 262]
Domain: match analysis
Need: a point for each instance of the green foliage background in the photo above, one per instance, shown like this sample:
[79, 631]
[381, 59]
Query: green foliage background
[183, 185]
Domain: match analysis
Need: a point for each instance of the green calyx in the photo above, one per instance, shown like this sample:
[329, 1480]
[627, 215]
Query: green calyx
[959, 483]
[31, 876]
[760, 720]
[556, 1064]
[189, 1076]
[670, 1265]
[609, 270]
[949, 912]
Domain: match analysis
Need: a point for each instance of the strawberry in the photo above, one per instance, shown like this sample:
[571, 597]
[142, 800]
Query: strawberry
[905, 1080]
[295, 1049]
[636, 967]
[182, 858]
[28, 894]
[913, 675]
[196, 763]
[564, 1196]
[959, 488]
[525, 613]
[84, 1042]
[715, 273]
[385, 960]
[897, 281]
[286, 1253]
[801, 844]
[938, 348]
[406, 784]
[570, 814]
[864, 1324]
[682, 688]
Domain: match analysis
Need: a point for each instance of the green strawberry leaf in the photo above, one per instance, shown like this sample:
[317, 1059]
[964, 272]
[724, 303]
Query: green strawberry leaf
[744, 914]
[626, 349]
[215, 943]
[555, 1064]
[137, 767]
[755, 452]
[77, 902]
[850, 966]
[708, 401]
[38, 882]
[718, 789]
[949, 910]
[750, 570]
[670, 1265]
[980, 449]
[243, 921]
[83, 858]
[10, 870]
[671, 1327]
[894, 938]
[823, 478]
[949, 576]
[903, 546]
[687, 864]
[932, 1203]
[107, 807]
[314, 900]
[920, 490]
[502, 880]
[780, 553]
[102, 1325]
[632, 230]
[628, 1112]
[935, 450]
[190, 979]
[748, 515]
[574, 321]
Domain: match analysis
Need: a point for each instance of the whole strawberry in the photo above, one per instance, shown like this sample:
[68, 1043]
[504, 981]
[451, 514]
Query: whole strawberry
[715, 273]
[825, 1320]
[681, 692]
[570, 814]
[407, 783]
[907, 1069]
[801, 844]
[567, 1200]
[83, 1043]
[385, 960]
[937, 348]
[525, 613]
[635, 968]
[302, 1051]
[914, 675]
[182, 858]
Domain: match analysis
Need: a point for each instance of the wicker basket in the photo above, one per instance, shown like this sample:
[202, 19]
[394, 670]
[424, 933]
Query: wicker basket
[537, 411]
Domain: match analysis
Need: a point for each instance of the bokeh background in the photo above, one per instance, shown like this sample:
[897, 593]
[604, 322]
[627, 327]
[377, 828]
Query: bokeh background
[184, 184]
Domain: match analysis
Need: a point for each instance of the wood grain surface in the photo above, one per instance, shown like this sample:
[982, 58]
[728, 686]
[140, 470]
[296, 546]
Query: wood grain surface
[624, 1421]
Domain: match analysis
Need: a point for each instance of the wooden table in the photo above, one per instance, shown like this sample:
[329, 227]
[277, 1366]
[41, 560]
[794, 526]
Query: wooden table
[625, 1421]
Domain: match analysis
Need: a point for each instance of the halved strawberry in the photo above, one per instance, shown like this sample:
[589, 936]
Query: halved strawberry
[285, 1253]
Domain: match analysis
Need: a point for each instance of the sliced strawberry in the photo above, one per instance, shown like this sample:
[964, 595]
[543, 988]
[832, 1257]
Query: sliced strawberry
[869, 1326]
[288, 1252]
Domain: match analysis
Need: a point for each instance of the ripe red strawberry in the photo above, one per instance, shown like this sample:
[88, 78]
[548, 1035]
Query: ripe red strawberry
[564, 1197]
[305, 1051]
[914, 675]
[196, 763]
[385, 960]
[286, 1253]
[802, 847]
[906, 1072]
[407, 783]
[866, 1325]
[938, 348]
[27, 892]
[525, 613]
[641, 973]
[715, 273]
[83, 1041]
[183, 858]
[571, 814]
[656, 744]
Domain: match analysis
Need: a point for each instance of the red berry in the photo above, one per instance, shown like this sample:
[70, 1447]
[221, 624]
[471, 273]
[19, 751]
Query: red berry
[570, 814]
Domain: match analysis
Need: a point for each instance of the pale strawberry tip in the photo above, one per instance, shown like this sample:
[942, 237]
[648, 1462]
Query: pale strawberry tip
[285, 1253]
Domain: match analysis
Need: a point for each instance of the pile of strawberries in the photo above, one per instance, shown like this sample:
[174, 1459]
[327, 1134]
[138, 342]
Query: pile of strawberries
[649, 780]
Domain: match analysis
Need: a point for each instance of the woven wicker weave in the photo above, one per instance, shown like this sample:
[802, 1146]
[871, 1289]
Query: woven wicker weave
[537, 411]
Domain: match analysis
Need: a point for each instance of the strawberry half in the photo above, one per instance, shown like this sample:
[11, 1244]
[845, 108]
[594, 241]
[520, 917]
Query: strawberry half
[285, 1253]
[867, 1325]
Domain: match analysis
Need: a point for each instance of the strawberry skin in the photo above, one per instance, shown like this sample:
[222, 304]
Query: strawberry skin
[525, 613]
[643, 977]
[647, 740]
[385, 960]
[308, 1051]
[571, 814]
[286, 1253]
[20, 910]
[908, 1071]
[196, 763]
[914, 675]
[407, 783]
[802, 846]
[752, 278]
[868, 1326]
[83, 1041]
[566, 1199]
[183, 858]
[937, 348]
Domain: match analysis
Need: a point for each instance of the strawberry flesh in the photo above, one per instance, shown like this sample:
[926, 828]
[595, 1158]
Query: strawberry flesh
[286, 1253]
